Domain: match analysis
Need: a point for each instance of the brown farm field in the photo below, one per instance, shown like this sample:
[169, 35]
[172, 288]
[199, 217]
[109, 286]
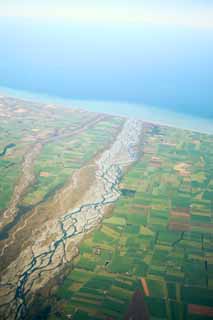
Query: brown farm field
[97, 211]
[156, 238]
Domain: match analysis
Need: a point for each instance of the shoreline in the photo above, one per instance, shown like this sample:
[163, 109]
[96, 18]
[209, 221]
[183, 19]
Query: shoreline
[141, 112]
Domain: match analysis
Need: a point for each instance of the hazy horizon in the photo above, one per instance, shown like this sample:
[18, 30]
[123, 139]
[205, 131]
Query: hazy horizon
[160, 56]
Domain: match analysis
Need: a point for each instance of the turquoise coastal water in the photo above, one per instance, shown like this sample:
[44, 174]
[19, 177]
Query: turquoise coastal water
[139, 111]
[165, 66]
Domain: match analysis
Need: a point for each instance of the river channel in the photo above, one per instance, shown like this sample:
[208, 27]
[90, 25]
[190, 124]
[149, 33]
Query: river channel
[72, 226]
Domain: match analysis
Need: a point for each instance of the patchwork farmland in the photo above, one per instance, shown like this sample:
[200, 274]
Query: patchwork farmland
[41, 146]
[157, 238]
[96, 210]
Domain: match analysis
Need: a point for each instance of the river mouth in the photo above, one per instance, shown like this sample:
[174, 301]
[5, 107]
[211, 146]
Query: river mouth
[149, 113]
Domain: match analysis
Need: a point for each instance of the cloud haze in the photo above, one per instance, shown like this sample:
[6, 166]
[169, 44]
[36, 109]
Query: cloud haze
[199, 15]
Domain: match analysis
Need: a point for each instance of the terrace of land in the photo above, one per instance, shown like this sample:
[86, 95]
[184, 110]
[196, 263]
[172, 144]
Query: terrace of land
[50, 245]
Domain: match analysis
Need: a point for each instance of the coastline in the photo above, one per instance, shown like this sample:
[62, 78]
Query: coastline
[142, 112]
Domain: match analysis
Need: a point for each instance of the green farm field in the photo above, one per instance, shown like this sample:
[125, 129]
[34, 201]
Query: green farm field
[69, 139]
[158, 238]
[59, 159]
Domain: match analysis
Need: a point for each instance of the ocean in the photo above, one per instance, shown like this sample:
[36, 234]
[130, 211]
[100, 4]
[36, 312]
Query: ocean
[113, 68]
[138, 111]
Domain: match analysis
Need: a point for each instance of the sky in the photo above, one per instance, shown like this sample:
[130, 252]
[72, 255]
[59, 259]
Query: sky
[155, 52]
[197, 13]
